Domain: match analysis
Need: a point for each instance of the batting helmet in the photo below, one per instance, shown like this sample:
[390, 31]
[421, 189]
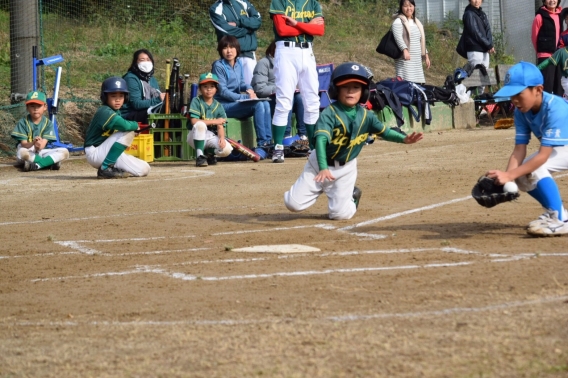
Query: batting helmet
[459, 75]
[350, 72]
[114, 84]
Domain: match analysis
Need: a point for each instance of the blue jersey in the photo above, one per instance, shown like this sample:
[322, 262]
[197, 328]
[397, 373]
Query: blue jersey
[549, 125]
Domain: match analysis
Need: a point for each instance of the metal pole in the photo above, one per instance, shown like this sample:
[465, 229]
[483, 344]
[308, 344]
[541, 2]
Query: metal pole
[24, 34]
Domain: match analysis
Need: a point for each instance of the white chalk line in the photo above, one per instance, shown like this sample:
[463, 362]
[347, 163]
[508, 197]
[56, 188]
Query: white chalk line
[106, 254]
[323, 225]
[133, 214]
[288, 320]
[191, 277]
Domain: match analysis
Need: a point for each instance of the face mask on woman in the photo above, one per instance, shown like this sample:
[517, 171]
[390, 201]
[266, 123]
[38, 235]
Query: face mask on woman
[145, 67]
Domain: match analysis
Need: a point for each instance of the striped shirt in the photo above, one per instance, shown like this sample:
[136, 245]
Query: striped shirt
[410, 70]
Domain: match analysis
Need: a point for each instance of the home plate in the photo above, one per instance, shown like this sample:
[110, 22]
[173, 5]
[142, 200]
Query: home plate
[278, 248]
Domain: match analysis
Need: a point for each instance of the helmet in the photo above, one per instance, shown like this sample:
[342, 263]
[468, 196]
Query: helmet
[459, 75]
[350, 71]
[114, 84]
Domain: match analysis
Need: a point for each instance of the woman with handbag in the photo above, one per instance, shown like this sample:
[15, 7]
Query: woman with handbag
[409, 36]
[478, 41]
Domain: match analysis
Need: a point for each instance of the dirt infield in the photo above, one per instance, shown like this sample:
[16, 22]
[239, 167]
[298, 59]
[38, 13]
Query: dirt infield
[138, 277]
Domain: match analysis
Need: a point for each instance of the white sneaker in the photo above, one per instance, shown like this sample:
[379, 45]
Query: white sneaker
[278, 154]
[544, 218]
[550, 227]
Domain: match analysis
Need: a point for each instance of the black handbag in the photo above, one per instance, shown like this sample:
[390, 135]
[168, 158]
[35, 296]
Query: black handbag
[461, 47]
[388, 46]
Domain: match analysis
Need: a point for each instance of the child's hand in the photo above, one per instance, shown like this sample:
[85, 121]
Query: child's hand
[290, 21]
[413, 138]
[323, 175]
[220, 121]
[222, 144]
[316, 21]
[500, 177]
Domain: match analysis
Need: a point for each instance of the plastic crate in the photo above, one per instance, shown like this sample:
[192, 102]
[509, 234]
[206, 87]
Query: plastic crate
[142, 147]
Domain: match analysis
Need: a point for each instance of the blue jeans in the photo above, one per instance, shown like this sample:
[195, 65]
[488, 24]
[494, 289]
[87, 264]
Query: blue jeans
[260, 110]
[297, 109]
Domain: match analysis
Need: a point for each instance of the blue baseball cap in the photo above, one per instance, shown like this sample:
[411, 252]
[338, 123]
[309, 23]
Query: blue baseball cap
[519, 77]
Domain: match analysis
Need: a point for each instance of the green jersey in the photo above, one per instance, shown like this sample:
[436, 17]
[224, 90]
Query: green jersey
[301, 11]
[559, 58]
[346, 136]
[104, 123]
[199, 109]
[26, 130]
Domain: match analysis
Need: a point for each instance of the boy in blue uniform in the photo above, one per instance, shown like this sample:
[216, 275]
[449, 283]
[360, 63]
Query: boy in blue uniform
[544, 115]
[340, 134]
[208, 118]
[32, 133]
[109, 135]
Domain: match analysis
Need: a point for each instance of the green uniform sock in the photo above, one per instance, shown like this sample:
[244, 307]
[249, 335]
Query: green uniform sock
[310, 129]
[210, 151]
[115, 151]
[199, 147]
[278, 134]
[43, 162]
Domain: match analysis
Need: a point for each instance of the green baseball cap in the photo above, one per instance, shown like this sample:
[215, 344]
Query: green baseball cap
[36, 97]
[208, 78]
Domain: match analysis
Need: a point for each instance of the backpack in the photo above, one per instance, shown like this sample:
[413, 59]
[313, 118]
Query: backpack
[441, 94]
[410, 95]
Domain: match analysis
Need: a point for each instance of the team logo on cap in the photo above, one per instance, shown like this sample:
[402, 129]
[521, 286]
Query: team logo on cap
[507, 78]
[117, 84]
[34, 96]
[209, 76]
[355, 67]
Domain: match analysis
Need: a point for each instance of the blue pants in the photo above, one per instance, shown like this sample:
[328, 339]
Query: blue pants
[260, 110]
[297, 109]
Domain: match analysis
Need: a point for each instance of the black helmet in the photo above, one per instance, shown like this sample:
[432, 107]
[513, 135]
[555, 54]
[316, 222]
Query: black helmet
[347, 72]
[114, 84]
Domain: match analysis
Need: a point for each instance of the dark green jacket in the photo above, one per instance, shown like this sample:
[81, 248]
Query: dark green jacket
[136, 96]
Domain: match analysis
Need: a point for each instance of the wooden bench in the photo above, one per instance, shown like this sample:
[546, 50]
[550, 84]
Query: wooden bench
[490, 105]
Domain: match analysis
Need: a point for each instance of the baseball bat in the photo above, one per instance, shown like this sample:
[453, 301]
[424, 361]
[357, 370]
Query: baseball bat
[244, 150]
[167, 110]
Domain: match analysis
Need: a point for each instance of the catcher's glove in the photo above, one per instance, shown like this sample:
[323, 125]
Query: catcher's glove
[488, 193]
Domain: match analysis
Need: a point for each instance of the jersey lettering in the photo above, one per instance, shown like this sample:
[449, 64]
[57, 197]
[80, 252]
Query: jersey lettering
[339, 139]
[360, 139]
[291, 12]
[107, 133]
[243, 12]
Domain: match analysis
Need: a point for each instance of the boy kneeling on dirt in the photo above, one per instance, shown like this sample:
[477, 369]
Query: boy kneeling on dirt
[109, 135]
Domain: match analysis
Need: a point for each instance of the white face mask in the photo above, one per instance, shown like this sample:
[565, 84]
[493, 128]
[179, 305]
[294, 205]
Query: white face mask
[145, 67]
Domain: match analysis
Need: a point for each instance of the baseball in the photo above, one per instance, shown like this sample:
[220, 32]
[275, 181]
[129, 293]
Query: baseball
[510, 187]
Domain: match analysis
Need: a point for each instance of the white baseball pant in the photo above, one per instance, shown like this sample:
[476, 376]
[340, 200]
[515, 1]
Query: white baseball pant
[306, 190]
[57, 154]
[295, 67]
[128, 163]
[200, 132]
[557, 162]
[248, 68]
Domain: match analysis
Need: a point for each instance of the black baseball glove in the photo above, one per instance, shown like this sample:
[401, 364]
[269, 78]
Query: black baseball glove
[488, 193]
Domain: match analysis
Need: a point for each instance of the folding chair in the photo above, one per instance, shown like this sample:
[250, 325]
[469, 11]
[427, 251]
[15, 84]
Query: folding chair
[324, 79]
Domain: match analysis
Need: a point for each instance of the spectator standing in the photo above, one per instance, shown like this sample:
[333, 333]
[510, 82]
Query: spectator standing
[477, 34]
[238, 18]
[545, 37]
[409, 36]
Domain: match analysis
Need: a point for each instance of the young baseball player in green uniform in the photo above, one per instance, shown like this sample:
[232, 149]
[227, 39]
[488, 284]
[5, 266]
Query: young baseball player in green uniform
[560, 57]
[32, 133]
[109, 135]
[341, 132]
[208, 119]
[296, 22]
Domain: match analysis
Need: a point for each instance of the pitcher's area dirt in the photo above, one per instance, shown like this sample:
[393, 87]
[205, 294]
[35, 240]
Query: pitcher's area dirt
[137, 277]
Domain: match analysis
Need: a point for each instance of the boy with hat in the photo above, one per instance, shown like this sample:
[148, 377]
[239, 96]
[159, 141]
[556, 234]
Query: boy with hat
[544, 115]
[340, 133]
[32, 133]
[208, 119]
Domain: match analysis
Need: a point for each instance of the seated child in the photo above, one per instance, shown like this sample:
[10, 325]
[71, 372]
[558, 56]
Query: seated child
[340, 133]
[109, 135]
[208, 119]
[32, 133]
[543, 115]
